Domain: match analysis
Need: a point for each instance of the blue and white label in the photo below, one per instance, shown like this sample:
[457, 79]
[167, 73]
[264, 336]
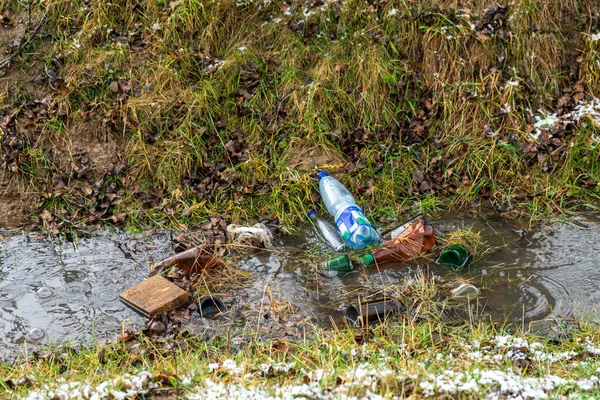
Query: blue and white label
[349, 221]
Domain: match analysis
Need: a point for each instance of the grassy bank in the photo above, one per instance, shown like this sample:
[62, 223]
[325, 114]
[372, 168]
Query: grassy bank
[415, 354]
[164, 113]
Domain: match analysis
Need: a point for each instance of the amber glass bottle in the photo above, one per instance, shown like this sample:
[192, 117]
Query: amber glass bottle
[192, 261]
[415, 240]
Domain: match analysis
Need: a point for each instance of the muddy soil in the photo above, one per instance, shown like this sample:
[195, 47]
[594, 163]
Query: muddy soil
[64, 158]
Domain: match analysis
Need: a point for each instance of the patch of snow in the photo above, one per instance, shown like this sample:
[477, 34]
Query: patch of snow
[125, 387]
[548, 122]
[587, 109]
[501, 383]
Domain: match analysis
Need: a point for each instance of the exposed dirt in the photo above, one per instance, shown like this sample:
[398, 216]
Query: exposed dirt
[309, 158]
[12, 30]
[75, 160]
[86, 150]
[11, 205]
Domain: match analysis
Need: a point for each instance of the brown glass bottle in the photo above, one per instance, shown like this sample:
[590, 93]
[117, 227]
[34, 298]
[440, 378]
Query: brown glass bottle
[193, 261]
[415, 240]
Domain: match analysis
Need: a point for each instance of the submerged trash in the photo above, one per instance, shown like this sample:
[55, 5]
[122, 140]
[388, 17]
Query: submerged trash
[413, 241]
[371, 311]
[257, 235]
[341, 263]
[455, 257]
[192, 261]
[352, 223]
[464, 291]
[209, 306]
[326, 231]
[154, 296]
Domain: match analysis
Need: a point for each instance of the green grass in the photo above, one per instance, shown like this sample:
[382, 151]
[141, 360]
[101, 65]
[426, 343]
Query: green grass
[417, 85]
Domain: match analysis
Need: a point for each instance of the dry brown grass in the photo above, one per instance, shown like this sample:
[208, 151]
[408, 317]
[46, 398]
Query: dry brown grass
[286, 77]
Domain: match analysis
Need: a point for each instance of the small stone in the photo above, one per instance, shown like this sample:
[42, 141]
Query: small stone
[158, 328]
[114, 87]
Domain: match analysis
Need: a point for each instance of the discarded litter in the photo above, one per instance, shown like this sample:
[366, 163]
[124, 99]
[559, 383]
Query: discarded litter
[192, 261]
[372, 311]
[464, 291]
[353, 225]
[397, 231]
[341, 264]
[326, 231]
[455, 257]
[257, 235]
[153, 296]
[209, 306]
[413, 241]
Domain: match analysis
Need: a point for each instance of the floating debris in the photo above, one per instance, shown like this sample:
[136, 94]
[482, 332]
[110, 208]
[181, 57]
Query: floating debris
[209, 306]
[153, 296]
[372, 311]
[192, 261]
[257, 235]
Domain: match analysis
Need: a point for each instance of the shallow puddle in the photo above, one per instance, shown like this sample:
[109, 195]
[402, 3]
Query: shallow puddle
[66, 291]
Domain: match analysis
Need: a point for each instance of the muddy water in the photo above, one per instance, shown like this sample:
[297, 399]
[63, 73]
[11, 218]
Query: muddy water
[68, 292]
[528, 273]
[61, 291]
[550, 272]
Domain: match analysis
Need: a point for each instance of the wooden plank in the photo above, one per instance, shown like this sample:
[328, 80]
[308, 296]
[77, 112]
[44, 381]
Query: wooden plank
[154, 296]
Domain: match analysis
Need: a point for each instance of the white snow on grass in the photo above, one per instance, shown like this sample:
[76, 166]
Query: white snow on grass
[589, 109]
[125, 387]
[585, 109]
[474, 370]
[548, 122]
[501, 384]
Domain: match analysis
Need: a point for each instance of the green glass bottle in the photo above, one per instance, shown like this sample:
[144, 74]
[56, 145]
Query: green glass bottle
[455, 257]
[341, 263]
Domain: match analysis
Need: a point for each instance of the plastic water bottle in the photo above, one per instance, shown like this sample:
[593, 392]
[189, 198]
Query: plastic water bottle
[352, 224]
[327, 232]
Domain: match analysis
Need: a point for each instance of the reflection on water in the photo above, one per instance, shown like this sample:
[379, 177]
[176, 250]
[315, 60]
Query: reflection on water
[62, 291]
[549, 272]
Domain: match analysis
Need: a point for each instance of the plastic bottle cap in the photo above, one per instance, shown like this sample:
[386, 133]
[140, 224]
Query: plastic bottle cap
[368, 259]
[311, 212]
[322, 175]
